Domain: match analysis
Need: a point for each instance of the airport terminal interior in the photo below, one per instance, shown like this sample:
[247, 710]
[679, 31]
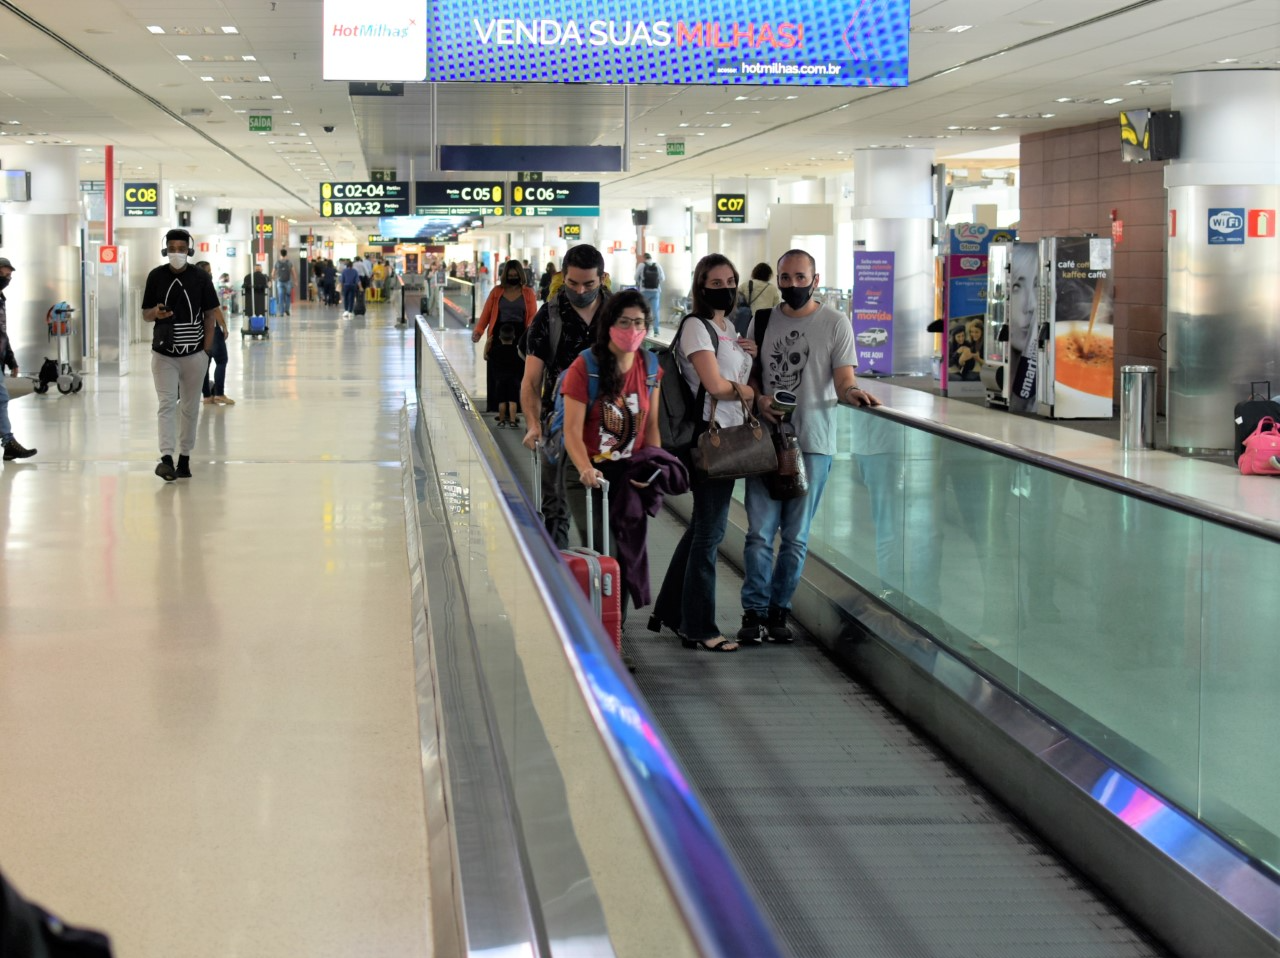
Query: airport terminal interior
[339, 692]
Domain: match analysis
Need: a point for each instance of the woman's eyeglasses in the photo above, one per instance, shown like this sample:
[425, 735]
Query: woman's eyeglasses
[625, 323]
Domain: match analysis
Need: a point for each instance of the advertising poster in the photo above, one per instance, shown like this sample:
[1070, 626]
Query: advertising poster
[873, 311]
[778, 42]
[1083, 348]
[966, 301]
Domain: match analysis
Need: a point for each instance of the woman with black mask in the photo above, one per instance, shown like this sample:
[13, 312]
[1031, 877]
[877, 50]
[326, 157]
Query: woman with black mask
[509, 309]
[716, 363]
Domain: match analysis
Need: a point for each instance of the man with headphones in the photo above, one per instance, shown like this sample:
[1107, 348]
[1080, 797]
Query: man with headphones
[183, 305]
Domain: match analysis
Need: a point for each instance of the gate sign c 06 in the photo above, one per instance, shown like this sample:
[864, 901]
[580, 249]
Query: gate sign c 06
[731, 207]
[142, 199]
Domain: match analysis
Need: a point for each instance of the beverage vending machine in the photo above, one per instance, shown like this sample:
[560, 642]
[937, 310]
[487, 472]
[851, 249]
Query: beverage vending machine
[1010, 361]
[1074, 340]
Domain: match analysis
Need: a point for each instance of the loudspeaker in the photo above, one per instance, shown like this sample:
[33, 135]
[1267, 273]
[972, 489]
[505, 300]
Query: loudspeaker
[184, 218]
[639, 217]
[224, 217]
[1165, 129]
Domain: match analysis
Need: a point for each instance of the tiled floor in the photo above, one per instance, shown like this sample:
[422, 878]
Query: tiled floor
[208, 732]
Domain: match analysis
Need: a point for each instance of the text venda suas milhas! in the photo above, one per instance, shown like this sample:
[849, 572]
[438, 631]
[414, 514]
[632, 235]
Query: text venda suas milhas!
[661, 33]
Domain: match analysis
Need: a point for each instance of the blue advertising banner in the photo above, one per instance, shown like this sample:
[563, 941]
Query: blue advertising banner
[873, 311]
[774, 42]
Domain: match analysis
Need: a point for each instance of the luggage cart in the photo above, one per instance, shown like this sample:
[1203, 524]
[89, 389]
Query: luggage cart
[59, 373]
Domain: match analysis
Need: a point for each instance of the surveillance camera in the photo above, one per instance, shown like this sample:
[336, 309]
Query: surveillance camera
[328, 129]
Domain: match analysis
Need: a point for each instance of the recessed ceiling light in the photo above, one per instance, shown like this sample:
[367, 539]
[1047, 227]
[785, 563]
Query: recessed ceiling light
[241, 111]
[794, 96]
[302, 134]
[183, 57]
[155, 29]
[230, 30]
[961, 28]
[248, 57]
[264, 79]
[224, 97]
[661, 134]
[207, 79]
[296, 123]
[723, 125]
[276, 96]
[30, 141]
[88, 149]
[682, 124]
[1002, 116]
[1065, 99]
[1114, 99]
[1047, 116]
[1136, 83]
[1228, 60]
[995, 128]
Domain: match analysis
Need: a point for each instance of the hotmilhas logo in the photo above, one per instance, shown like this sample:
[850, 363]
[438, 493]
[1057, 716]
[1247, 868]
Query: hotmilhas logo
[366, 31]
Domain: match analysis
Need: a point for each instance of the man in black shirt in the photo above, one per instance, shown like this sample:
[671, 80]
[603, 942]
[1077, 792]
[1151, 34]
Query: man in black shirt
[182, 303]
[561, 330]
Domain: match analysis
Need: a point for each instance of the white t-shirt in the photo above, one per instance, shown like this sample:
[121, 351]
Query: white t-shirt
[735, 365]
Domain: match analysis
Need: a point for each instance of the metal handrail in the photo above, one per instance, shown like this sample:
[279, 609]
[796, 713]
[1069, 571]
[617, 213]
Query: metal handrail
[717, 905]
[1196, 508]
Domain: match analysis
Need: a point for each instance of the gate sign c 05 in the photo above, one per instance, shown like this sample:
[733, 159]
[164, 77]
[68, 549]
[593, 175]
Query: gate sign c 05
[731, 207]
[142, 199]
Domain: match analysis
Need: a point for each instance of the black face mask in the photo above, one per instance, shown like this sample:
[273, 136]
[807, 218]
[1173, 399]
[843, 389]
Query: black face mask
[4, 281]
[513, 279]
[721, 299]
[796, 296]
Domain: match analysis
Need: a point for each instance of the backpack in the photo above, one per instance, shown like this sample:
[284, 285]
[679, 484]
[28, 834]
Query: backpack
[679, 410]
[650, 276]
[553, 434]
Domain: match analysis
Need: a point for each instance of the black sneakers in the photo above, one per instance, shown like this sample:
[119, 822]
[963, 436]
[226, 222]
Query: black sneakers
[15, 450]
[753, 627]
[184, 467]
[777, 626]
[165, 470]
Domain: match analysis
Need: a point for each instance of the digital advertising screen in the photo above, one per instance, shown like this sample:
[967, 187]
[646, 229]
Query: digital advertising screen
[768, 42]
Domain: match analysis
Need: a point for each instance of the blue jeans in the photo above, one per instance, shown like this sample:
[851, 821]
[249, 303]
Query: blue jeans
[6, 430]
[654, 298]
[768, 584]
[284, 293]
[687, 599]
[349, 298]
[218, 361]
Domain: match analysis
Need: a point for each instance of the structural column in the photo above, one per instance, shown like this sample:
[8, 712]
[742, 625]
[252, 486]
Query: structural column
[1223, 259]
[893, 212]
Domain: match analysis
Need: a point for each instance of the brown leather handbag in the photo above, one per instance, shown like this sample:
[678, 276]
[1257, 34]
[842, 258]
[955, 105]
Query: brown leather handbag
[734, 452]
[789, 480]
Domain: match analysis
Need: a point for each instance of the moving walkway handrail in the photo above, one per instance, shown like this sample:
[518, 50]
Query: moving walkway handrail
[1186, 505]
[721, 915]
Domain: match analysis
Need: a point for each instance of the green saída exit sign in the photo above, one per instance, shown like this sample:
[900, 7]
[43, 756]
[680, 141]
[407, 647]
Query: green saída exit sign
[259, 124]
[675, 147]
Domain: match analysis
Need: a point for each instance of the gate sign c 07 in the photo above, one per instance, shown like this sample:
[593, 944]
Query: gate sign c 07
[767, 42]
[142, 199]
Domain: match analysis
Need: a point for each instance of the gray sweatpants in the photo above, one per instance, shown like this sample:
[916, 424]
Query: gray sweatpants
[179, 381]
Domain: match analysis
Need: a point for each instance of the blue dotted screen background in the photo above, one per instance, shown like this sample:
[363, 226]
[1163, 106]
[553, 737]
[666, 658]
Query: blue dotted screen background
[867, 41]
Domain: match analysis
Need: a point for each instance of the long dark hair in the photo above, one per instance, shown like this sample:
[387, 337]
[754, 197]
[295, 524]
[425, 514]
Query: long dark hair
[610, 375]
[507, 267]
[698, 304]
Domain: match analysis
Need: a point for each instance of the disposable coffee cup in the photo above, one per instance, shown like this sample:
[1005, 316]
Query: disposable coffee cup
[784, 402]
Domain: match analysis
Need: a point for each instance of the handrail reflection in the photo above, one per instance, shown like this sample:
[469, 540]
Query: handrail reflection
[712, 896]
[1137, 489]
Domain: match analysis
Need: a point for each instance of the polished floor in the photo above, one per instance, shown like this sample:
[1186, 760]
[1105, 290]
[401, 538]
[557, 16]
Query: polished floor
[208, 730]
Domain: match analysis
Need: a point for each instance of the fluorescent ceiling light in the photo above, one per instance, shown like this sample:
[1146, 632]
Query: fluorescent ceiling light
[1114, 99]
[264, 79]
[1065, 99]
[276, 96]
[230, 30]
[224, 97]
[1228, 60]
[155, 29]
[249, 56]
[183, 57]
[1136, 83]
[207, 79]
[961, 28]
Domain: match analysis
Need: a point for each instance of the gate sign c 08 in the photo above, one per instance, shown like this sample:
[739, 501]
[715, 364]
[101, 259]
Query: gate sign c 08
[768, 42]
[142, 199]
[731, 207]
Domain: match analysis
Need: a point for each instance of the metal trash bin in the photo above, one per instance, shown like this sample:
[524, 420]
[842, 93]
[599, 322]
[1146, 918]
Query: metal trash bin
[1137, 407]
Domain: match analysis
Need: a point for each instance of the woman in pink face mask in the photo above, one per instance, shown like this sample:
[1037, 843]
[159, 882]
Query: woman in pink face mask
[617, 423]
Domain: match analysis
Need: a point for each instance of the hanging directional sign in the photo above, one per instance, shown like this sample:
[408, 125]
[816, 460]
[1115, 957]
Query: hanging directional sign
[364, 199]
[141, 199]
[458, 198]
[731, 207]
[555, 199]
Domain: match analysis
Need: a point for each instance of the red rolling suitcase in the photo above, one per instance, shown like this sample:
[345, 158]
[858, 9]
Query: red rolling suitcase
[597, 573]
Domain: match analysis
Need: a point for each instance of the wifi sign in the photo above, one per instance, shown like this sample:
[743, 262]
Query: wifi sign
[1226, 226]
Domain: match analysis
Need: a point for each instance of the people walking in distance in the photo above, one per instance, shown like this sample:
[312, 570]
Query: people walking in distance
[756, 294]
[561, 330]
[649, 278]
[284, 277]
[182, 304]
[807, 349]
[12, 448]
[214, 389]
[716, 363]
[350, 284]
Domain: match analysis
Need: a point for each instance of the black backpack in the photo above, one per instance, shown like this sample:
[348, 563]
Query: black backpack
[680, 411]
[650, 276]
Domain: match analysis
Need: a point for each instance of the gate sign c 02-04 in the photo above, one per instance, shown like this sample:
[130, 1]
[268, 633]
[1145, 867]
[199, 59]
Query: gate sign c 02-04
[762, 42]
[364, 199]
[731, 207]
[142, 199]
